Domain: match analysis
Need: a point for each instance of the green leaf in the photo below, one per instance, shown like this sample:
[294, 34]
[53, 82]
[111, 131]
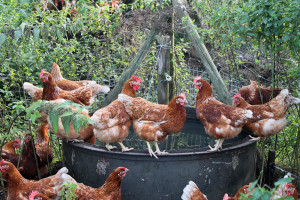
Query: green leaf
[35, 115]
[36, 33]
[18, 34]
[252, 185]
[53, 115]
[2, 38]
[59, 34]
[256, 194]
[266, 196]
[24, 14]
[76, 122]
[67, 114]
[66, 123]
[23, 27]
[283, 181]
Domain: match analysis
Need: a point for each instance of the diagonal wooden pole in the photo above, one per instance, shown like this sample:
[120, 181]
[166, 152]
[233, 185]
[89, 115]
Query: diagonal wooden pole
[132, 67]
[201, 50]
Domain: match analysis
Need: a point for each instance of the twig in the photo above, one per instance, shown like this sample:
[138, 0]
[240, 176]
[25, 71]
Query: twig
[34, 152]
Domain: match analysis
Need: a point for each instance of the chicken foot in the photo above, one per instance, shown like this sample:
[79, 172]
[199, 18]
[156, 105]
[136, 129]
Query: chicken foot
[124, 148]
[158, 150]
[254, 138]
[109, 147]
[218, 145]
[74, 140]
[150, 150]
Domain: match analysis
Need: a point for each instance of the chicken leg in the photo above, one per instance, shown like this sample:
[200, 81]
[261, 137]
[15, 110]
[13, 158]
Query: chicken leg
[218, 145]
[158, 150]
[124, 148]
[109, 147]
[150, 150]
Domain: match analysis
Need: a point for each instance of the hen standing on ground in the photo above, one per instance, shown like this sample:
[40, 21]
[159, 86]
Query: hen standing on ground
[269, 118]
[110, 190]
[20, 188]
[8, 152]
[220, 121]
[111, 123]
[153, 122]
[254, 95]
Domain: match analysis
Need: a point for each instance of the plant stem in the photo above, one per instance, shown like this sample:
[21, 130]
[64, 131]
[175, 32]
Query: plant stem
[34, 151]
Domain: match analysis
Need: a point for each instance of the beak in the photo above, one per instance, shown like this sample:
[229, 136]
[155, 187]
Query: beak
[185, 101]
[194, 83]
[127, 170]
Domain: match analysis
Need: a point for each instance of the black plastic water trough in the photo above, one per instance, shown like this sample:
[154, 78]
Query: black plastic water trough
[215, 173]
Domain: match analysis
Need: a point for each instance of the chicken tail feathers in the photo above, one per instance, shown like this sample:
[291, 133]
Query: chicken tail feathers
[99, 88]
[191, 191]
[63, 170]
[293, 100]
[33, 91]
[68, 178]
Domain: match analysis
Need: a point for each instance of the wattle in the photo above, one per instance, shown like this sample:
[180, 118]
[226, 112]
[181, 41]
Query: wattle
[135, 87]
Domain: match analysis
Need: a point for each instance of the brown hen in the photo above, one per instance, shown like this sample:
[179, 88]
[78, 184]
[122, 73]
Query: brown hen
[111, 123]
[65, 84]
[255, 95]
[8, 152]
[269, 118]
[220, 121]
[20, 188]
[153, 122]
[82, 95]
[110, 190]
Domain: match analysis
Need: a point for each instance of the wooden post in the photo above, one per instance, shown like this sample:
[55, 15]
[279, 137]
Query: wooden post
[132, 67]
[269, 180]
[163, 62]
[203, 53]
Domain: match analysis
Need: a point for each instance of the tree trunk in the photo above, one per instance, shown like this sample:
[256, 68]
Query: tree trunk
[201, 50]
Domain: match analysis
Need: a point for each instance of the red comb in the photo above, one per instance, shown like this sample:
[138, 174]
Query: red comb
[136, 78]
[124, 168]
[182, 95]
[197, 78]
[237, 95]
[17, 140]
[32, 195]
[42, 72]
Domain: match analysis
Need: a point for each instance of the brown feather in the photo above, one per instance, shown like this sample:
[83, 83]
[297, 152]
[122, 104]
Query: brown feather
[269, 118]
[20, 188]
[110, 190]
[253, 94]
[51, 91]
[221, 121]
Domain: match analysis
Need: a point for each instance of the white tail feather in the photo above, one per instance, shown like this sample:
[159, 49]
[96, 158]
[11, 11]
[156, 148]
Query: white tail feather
[189, 190]
[63, 170]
